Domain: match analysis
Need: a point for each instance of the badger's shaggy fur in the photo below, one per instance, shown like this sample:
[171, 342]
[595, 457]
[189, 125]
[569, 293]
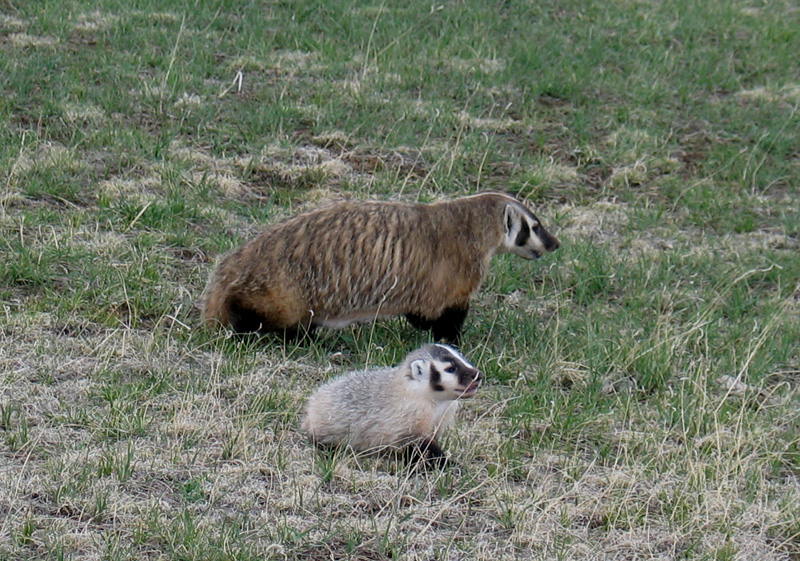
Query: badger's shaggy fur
[393, 408]
[357, 261]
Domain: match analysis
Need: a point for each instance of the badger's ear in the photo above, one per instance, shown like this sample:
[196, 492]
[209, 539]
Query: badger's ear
[419, 369]
[508, 218]
[513, 219]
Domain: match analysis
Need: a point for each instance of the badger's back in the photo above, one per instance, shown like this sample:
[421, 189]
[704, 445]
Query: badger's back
[370, 410]
[359, 258]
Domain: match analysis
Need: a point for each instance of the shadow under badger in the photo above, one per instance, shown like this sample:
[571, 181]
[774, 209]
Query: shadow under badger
[358, 261]
[402, 409]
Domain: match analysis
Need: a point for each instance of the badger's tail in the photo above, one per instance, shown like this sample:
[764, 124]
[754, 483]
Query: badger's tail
[215, 303]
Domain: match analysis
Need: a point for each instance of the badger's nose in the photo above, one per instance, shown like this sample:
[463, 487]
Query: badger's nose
[469, 377]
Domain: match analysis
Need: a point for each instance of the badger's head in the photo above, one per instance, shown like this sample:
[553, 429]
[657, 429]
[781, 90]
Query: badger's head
[524, 234]
[443, 373]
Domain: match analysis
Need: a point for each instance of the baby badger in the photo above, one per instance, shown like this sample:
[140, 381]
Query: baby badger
[398, 409]
[357, 261]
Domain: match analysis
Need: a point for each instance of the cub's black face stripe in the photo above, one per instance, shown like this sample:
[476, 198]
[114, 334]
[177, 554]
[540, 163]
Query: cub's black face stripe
[436, 380]
[466, 377]
[523, 234]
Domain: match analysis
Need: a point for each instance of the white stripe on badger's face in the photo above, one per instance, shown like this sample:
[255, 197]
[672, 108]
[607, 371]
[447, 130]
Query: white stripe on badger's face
[524, 235]
[455, 354]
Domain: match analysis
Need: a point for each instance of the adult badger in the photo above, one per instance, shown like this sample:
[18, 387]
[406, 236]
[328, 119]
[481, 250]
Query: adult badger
[403, 408]
[358, 261]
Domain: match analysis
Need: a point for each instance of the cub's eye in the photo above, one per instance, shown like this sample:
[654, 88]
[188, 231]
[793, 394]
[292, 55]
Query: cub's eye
[450, 369]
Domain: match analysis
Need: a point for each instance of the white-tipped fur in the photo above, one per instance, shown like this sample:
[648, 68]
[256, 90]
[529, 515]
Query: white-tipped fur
[410, 404]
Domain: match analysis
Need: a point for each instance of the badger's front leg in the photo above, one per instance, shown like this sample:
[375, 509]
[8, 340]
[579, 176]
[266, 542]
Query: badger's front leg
[446, 327]
[426, 452]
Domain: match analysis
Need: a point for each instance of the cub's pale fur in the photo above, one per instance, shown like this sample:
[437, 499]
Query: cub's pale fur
[357, 261]
[408, 406]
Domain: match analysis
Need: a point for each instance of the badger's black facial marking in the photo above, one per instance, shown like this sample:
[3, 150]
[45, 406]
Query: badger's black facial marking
[523, 234]
[550, 242]
[436, 380]
[469, 375]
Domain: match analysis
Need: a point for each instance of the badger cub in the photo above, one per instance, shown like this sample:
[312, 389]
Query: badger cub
[405, 408]
[357, 261]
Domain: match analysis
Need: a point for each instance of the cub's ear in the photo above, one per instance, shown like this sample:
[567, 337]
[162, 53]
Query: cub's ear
[419, 369]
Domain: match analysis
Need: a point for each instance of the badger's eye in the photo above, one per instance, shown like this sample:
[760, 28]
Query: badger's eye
[450, 369]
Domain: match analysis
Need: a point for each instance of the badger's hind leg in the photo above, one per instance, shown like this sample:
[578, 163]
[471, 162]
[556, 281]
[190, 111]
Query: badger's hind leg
[243, 319]
[246, 319]
[299, 332]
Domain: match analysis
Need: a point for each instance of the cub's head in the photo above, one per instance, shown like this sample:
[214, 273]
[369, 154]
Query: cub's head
[524, 234]
[442, 373]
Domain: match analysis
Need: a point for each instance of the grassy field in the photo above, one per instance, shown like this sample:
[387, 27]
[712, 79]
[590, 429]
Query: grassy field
[642, 395]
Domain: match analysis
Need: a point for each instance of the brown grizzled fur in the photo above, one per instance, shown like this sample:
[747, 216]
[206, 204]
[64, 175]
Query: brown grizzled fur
[357, 261]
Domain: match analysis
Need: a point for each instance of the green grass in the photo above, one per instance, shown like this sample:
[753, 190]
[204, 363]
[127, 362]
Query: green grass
[641, 398]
